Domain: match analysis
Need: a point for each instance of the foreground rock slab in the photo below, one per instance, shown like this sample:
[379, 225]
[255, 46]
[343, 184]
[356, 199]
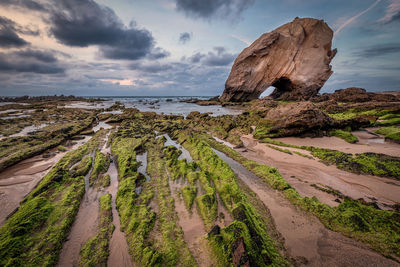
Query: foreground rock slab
[294, 59]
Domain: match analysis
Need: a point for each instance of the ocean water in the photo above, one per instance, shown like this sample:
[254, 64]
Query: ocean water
[162, 105]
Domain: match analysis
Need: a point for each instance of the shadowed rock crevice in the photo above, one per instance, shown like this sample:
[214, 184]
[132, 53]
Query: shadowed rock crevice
[294, 59]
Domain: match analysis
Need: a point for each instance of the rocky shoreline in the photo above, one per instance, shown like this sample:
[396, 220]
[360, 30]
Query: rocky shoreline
[341, 174]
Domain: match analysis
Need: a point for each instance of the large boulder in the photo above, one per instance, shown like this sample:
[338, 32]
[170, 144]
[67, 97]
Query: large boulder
[294, 59]
[298, 118]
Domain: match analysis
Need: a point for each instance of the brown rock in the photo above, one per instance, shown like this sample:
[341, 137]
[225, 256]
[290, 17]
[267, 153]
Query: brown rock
[356, 95]
[298, 118]
[294, 59]
[239, 254]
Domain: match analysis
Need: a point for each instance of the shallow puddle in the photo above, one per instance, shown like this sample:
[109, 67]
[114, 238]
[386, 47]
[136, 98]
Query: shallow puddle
[142, 158]
[103, 125]
[169, 142]
[29, 129]
[224, 142]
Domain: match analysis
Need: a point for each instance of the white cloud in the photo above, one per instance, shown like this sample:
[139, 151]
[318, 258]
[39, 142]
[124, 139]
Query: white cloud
[392, 10]
[242, 39]
[354, 18]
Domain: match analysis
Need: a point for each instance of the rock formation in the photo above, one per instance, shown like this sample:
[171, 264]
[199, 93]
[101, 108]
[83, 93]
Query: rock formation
[357, 95]
[297, 118]
[294, 59]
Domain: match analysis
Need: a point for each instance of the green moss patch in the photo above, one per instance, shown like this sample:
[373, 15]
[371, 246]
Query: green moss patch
[34, 234]
[391, 133]
[345, 135]
[101, 163]
[189, 193]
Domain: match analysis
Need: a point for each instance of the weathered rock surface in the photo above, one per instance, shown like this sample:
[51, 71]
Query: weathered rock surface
[294, 59]
[297, 119]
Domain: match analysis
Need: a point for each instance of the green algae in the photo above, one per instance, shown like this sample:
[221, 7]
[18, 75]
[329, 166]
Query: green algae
[173, 248]
[391, 133]
[100, 165]
[17, 149]
[189, 193]
[62, 148]
[34, 234]
[83, 167]
[345, 135]
[106, 181]
[284, 150]
[248, 225]
[124, 150]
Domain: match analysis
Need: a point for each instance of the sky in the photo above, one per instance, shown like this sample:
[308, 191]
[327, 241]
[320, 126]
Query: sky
[179, 47]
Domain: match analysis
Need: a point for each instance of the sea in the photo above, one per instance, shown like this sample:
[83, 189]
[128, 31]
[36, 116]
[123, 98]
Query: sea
[160, 104]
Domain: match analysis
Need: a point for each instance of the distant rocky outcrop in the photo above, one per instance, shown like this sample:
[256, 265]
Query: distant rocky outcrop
[357, 95]
[294, 59]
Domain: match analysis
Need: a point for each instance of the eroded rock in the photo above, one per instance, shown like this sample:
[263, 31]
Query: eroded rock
[294, 59]
[298, 118]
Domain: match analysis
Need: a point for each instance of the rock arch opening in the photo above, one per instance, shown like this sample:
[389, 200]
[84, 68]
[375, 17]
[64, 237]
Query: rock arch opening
[282, 85]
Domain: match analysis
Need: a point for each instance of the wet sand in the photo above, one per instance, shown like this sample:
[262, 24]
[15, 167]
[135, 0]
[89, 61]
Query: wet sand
[119, 252]
[84, 227]
[301, 172]
[192, 226]
[367, 143]
[20, 179]
[86, 222]
[306, 238]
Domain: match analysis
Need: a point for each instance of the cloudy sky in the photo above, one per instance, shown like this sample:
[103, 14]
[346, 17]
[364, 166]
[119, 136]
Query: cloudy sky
[179, 47]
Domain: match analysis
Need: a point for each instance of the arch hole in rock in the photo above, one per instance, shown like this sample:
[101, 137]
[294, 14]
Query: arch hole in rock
[267, 91]
[281, 85]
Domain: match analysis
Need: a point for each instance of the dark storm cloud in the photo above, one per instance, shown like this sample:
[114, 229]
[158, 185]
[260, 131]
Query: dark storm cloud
[151, 67]
[28, 4]
[43, 56]
[196, 58]
[216, 58]
[84, 22]
[219, 58]
[378, 50]
[394, 18]
[211, 8]
[30, 61]
[158, 53]
[185, 37]
[8, 34]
